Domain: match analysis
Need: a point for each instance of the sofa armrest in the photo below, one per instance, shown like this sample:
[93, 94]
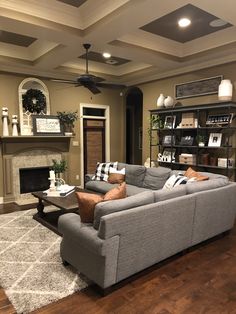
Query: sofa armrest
[88, 177]
[71, 227]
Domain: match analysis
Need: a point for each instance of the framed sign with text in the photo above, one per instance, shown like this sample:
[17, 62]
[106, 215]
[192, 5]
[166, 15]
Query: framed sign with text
[46, 125]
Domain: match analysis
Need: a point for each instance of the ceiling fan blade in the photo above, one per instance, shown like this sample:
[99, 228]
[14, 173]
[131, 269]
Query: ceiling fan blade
[93, 89]
[64, 81]
[112, 86]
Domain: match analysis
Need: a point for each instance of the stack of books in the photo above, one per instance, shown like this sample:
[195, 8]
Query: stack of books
[63, 190]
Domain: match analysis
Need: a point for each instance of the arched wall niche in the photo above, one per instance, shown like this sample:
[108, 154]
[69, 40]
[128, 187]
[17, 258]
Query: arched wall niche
[26, 116]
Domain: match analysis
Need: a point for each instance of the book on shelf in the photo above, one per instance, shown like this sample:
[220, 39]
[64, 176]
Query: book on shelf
[64, 190]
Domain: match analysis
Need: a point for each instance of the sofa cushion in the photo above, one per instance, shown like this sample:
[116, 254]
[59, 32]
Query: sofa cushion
[206, 185]
[155, 178]
[102, 170]
[165, 194]
[134, 174]
[99, 186]
[133, 190]
[116, 193]
[87, 202]
[106, 208]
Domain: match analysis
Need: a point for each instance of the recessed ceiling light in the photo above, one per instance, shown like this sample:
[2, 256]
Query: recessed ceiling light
[184, 22]
[111, 61]
[217, 23]
[106, 55]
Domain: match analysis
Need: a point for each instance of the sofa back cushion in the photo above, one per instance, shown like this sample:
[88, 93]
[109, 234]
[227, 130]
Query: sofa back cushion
[106, 208]
[211, 184]
[134, 174]
[166, 194]
[155, 178]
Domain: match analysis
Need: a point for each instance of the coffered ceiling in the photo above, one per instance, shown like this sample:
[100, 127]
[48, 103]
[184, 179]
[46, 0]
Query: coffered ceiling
[44, 38]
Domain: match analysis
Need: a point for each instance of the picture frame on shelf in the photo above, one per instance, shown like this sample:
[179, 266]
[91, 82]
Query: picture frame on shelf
[219, 119]
[186, 140]
[168, 140]
[46, 125]
[215, 140]
[169, 122]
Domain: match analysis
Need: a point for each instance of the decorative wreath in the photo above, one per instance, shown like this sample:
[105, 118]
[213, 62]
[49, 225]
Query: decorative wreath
[34, 101]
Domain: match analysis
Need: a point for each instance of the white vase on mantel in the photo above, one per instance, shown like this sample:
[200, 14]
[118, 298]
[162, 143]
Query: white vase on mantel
[225, 91]
[160, 101]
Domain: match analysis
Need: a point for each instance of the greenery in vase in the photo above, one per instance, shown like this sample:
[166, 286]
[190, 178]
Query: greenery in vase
[201, 139]
[68, 118]
[59, 166]
[155, 122]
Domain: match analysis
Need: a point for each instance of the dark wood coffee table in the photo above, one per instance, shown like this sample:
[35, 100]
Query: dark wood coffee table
[66, 204]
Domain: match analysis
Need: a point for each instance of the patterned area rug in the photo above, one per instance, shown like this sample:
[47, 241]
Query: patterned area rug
[31, 271]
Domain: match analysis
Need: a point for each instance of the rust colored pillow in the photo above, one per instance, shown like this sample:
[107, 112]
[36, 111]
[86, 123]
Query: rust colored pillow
[116, 193]
[116, 178]
[87, 203]
[190, 173]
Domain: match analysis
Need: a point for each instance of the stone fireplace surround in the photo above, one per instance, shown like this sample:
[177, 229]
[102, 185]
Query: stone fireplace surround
[28, 152]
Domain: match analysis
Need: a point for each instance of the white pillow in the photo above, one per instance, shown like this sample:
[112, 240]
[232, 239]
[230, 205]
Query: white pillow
[174, 181]
[113, 170]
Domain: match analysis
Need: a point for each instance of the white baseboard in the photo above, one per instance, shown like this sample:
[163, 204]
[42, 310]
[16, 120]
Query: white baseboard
[1, 200]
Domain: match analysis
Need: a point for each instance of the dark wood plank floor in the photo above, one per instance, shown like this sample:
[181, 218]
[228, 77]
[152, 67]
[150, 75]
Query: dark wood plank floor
[202, 281]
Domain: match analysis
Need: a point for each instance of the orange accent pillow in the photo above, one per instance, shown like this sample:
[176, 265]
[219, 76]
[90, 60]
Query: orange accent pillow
[87, 203]
[190, 173]
[116, 193]
[116, 178]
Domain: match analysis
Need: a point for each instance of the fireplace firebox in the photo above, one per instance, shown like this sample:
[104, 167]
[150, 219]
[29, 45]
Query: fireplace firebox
[34, 179]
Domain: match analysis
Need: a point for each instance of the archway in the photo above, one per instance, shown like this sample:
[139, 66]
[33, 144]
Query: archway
[134, 125]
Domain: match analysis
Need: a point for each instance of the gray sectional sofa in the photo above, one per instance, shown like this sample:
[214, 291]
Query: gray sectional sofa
[148, 226]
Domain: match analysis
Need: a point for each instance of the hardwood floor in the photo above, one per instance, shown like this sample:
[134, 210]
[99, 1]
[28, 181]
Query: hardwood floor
[202, 281]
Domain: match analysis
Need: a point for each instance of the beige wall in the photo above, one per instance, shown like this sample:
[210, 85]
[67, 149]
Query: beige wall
[64, 97]
[152, 90]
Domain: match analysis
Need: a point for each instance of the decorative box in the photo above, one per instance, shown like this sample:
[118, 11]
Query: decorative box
[222, 162]
[188, 120]
[187, 159]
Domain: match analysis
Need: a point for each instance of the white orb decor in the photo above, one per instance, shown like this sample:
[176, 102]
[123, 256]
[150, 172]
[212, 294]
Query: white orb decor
[169, 102]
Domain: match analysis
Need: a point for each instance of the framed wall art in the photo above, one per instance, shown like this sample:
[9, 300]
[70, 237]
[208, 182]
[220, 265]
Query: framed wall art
[201, 87]
[46, 125]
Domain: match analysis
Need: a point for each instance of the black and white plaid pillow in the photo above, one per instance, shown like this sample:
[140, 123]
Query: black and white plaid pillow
[102, 170]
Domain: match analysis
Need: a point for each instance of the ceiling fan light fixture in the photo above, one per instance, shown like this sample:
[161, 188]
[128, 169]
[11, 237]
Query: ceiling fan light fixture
[106, 55]
[184, 22]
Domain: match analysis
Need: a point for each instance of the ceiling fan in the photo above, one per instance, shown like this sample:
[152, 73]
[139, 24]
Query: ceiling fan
[90, 81]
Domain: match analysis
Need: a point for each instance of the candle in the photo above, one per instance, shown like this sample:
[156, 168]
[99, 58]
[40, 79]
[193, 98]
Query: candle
[52, 174]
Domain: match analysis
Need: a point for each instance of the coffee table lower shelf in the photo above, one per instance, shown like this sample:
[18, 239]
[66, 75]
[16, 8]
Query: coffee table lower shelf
[66, 204]
[50, 219]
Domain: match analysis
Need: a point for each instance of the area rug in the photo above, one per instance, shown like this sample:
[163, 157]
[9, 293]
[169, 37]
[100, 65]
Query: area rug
[31, 271]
